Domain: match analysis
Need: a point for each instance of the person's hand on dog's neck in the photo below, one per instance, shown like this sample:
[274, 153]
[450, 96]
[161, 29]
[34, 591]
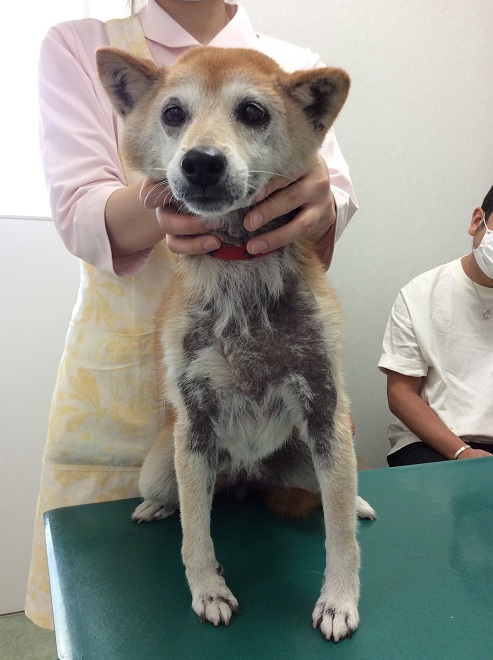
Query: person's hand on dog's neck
[203, 19]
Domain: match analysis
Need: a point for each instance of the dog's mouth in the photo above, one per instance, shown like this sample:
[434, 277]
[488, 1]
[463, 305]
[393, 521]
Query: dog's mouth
[212, 201]
[208, 183]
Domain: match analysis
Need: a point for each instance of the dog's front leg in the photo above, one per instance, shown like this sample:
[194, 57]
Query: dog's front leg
[196, 469]
[336, 611]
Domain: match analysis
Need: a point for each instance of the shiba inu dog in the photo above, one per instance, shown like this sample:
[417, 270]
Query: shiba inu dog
[248, 348]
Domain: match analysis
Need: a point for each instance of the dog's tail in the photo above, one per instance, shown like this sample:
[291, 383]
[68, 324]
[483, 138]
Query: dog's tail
[292, 502]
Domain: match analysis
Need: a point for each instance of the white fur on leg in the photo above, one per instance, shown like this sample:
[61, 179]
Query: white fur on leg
[150, 510]
[212, 600]
[157, 481]
[364, 510]
[336, 619]
[336, 610]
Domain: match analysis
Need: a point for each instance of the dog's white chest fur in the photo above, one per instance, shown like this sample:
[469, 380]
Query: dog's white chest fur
[249, 431]
[242, 362]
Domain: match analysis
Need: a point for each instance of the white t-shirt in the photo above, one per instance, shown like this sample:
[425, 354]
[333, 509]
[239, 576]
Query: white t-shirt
[437, 330]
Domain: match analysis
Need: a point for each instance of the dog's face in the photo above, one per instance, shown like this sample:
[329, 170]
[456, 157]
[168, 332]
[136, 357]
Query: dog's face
[220, 123]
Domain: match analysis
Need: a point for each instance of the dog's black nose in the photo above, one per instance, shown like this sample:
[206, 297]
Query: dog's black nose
[203, 167]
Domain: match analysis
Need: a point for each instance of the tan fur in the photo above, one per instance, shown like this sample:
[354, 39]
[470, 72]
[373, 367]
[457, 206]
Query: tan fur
[248, 352]
[211, 70]
[293, 503]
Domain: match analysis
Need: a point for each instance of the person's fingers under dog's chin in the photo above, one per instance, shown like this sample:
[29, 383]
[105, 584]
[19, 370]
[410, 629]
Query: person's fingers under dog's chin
[189, 245]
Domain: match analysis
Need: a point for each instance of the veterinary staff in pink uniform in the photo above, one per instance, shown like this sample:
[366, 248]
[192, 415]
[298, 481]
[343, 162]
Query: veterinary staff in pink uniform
[104, 412]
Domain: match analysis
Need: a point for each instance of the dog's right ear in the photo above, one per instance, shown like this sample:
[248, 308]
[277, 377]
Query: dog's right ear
[125, 78]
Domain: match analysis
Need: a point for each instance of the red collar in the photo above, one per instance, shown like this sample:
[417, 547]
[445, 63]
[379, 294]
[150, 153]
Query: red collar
[234, 253]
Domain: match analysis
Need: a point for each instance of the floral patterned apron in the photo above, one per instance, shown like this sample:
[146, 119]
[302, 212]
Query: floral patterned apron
[105, 411]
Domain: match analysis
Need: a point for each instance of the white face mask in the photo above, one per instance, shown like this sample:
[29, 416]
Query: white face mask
[484, 252]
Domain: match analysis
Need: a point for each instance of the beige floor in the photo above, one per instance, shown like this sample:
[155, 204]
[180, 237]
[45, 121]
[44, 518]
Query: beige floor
[22, 640]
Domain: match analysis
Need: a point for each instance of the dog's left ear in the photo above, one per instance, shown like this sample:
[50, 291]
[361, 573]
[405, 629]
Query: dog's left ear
[321, 93]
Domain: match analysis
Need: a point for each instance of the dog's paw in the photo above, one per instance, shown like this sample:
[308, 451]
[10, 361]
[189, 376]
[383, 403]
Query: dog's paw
[336, 621]
[150, 510]
[364, 510]
[215, 604]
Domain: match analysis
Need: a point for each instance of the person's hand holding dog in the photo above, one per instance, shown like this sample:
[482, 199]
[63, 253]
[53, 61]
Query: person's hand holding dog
[310, 193]
[183, 232]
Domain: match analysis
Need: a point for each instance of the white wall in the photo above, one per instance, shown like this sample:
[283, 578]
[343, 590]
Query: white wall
[38, 285]
[418, 134]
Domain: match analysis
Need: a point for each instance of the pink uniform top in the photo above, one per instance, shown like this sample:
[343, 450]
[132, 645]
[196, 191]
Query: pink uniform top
[78, 126]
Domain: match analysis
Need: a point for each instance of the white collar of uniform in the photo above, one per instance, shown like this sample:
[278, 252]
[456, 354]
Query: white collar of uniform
[158, 26]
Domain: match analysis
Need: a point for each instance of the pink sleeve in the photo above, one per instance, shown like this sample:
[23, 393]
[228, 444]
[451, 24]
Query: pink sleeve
[78, 143]
[292, 58]
[340, 183]
[340, 180]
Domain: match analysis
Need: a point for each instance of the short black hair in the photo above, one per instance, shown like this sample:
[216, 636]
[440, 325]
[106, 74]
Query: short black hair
[487, 204]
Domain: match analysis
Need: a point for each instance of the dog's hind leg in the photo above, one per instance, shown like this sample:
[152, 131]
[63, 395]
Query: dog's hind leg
[293, 489]
[364, 510]
[196, 464]
[157, 480]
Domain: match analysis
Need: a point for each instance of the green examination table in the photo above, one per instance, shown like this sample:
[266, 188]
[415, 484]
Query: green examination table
[119, 589]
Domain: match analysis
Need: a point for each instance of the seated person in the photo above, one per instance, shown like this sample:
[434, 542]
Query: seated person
[438, 357]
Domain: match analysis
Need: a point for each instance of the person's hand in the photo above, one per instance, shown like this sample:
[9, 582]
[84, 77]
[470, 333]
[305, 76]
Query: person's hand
[473, 453]
[184, 233]
[311, 193]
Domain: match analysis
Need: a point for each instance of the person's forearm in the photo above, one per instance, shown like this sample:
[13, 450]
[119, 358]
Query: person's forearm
[131, 227]
[419, 418]
[325, 245]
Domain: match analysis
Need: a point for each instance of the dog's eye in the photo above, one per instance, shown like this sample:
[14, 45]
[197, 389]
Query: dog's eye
[174, 115]
[252, 114]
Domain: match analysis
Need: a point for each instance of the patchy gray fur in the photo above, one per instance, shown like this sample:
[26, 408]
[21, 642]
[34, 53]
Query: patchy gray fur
[249, 350]
[272, 357]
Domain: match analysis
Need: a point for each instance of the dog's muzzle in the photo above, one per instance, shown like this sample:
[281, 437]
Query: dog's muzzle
[205, 184]
[204, 167]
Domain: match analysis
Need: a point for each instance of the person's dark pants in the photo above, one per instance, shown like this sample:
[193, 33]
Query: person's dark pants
[418, 452]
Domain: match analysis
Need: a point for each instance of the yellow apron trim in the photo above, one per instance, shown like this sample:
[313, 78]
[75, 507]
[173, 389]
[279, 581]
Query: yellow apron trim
[90, 468]
[127, 34]
[107, 311]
